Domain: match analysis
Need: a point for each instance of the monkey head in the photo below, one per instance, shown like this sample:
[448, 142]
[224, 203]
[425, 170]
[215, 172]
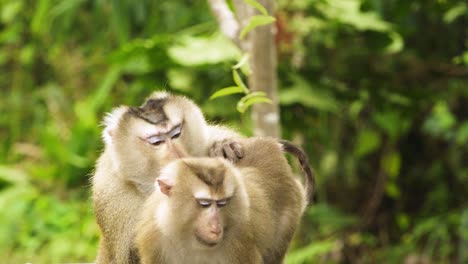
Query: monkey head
[205, 195]
[164, 128]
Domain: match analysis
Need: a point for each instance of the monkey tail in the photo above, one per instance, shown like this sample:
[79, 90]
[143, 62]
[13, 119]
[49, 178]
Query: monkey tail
[309, 181]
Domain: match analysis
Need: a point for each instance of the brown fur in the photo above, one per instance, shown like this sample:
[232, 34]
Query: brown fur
[265, 223]
[170, 239]
[126, 170]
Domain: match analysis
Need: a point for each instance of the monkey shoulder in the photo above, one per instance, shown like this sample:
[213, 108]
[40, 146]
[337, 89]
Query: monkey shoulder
[263, 153]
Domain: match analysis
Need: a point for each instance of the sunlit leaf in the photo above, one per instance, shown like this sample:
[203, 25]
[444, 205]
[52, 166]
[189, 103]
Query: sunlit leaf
[392, 190]
[181, 79]
[256, 21]
[303, 92]
[462, 133]
[195, 51]
[441, 120]
[311, 252]
[396, 44]
[355, 108]
[104, 89]
[13, 175]
[86, 110]
[349, 12]
[227, 91]
[462, 59]
[455, 12]
[329, 162]
[391, 164]
[9, 10]
[65, 6]
[403, 221]
[367, 141]
[120, 20]
[40, 20]
[244, 60]
[239, 82]
[392, 122]
[257, 6]
[250, 99]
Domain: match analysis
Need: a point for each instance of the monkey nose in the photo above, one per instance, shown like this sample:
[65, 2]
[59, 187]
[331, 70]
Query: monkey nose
[216, 230]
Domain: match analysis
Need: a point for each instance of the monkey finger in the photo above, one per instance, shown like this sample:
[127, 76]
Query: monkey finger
[216, 150]
[229, 153]
[238, 150]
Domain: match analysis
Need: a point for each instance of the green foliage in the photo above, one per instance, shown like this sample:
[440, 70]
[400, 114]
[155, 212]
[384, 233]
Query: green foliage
[254, 22]
[249, 98]
[305, 93]
[257, 6]
[217, 49]
[375, 91]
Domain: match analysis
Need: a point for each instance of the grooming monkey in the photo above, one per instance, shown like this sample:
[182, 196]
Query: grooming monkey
[207, 210]
[139, 141]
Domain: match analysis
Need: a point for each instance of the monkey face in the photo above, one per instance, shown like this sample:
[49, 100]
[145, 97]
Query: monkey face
[209, 227]
[201, 194]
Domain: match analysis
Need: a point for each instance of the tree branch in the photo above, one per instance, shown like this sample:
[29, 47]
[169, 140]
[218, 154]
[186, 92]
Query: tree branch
[226, 19]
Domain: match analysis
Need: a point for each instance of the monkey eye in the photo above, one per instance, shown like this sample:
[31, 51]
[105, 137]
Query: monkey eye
[175, 133]
[223, 202]
[155, 140]
[205, 203]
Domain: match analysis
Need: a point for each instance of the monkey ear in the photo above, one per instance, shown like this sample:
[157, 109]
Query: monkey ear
[165, 186]
[111, 122]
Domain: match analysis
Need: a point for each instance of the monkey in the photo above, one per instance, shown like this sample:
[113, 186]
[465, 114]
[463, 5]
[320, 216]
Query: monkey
[198, 214]
[211, 210]
[138, 142]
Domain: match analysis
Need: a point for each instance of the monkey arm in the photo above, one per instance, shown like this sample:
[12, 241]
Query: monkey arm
[148, 236]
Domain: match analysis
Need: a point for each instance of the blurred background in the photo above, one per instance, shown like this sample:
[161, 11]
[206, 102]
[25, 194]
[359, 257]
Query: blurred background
[374, 90]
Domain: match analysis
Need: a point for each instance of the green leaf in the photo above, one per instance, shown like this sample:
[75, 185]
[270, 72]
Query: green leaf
[349, 12]
[86, 110]
[257, 6]
[403, 221]
[441, 121]
[250, 99]
[392, 122]
[40, 21]
[227, 91]
[462, 134]
[10, 10]
[368, 141]
[239, 82]
[197, 51]
[65, 6]
[396, 44]
[181, 79]
[13, 175]
[455, 12]
[392, 190]
[391, 164]
[256, 21]
[307, 94]
[242, 61]
[311, 252]
[462, 59]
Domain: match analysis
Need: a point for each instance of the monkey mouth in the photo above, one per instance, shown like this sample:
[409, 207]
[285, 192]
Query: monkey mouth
[209, 244]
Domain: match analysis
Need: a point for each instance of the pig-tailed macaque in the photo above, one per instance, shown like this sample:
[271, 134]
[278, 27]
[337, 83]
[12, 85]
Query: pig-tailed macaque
[139, 141]
[208, 210]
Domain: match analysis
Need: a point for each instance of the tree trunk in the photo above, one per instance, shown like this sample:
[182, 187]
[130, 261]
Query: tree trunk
[264, 77]
[261, 46]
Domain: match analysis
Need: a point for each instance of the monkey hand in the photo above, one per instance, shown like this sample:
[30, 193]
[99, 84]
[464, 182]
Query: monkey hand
[227, 148]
